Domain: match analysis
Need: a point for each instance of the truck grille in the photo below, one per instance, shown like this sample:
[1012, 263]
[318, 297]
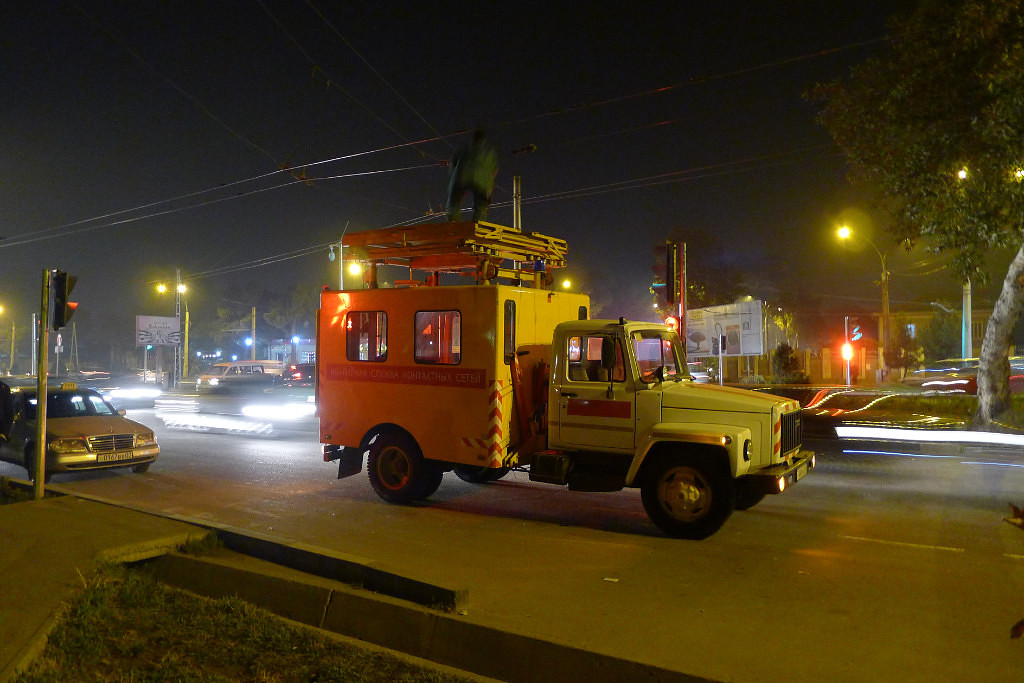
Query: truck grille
[111, 442]
[792, 431]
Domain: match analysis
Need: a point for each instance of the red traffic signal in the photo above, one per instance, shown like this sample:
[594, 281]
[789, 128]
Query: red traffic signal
[61, 285]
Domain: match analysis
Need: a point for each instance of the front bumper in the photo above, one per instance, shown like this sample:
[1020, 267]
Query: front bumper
[778, 478]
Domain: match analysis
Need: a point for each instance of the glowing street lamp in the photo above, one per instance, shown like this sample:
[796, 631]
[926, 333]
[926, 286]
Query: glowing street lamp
[845, 233]
[181, 353]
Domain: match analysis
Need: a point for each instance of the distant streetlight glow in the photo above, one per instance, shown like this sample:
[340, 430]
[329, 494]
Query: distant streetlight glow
[566, 283]
[354, 268]
[845, 233]
[962, 174]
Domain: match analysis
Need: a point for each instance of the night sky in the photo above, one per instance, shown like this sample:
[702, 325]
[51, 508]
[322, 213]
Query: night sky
[140, 137]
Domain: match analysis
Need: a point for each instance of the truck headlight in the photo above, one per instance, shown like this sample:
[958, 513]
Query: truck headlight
[746, 450]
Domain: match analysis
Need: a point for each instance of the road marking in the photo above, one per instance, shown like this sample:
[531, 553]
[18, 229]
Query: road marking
[906, 545]
[1013, 557]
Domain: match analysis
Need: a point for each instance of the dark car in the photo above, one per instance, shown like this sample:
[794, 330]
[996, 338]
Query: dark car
[298, 375]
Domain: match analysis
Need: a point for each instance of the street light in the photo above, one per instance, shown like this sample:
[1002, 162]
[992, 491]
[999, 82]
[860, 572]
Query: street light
[845, 233]
[180, 353]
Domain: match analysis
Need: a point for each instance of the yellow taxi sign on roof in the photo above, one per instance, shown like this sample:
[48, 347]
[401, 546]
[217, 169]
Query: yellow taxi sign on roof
[68, 386]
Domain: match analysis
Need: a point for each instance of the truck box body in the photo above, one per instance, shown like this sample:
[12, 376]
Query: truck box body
[436, 360]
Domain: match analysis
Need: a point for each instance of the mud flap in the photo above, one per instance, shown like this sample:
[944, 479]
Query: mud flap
[350, 462]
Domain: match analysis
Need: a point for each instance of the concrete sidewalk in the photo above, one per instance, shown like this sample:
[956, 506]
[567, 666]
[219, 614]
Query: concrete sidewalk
[49, 547]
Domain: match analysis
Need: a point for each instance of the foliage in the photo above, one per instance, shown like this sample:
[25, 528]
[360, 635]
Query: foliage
[935, 128]
[786, 366]
[10, 493]
[901, 352]
[127, 627]
[940, 336]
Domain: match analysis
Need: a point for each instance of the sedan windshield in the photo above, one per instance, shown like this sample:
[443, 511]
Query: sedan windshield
[71, 404]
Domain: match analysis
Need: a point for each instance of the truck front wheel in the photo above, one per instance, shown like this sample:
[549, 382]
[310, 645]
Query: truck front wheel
[688, 496]
[397, 470]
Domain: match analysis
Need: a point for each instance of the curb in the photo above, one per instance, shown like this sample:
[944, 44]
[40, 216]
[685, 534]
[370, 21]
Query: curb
[397, 625]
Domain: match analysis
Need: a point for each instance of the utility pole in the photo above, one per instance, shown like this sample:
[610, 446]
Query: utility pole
[39, 468]
[966, 328]
[253, 333]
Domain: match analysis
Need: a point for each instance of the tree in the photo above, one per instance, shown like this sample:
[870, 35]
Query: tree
[935, 128]
[940, 336]
[786, 366]
[901, 353]
[293, 311]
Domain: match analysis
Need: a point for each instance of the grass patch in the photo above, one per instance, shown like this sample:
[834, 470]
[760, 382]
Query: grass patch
[125, 626]
[9, 493]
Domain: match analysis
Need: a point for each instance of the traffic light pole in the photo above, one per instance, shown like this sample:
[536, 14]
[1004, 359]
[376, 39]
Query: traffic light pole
[39, 466]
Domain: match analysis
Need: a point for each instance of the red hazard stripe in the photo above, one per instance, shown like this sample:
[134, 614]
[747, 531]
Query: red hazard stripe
[586, 408]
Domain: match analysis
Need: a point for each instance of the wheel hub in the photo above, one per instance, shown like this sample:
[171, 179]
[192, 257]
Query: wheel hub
[685, 494]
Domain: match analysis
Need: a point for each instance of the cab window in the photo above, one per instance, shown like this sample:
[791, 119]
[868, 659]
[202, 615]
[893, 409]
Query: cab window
[438, 337]
[654, 351]
[586, 361]
[366, 336]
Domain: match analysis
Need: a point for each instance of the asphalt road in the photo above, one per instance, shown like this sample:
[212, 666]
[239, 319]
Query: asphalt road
[878, 565]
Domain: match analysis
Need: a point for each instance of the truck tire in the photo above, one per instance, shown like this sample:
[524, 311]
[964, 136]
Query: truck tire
[434, 473]
[397, 470]
[479, 475]
[748, 495]
[688, 496]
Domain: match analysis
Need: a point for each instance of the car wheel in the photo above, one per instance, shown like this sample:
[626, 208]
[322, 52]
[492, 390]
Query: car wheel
[689, 496]
[396, 468]
[30, 465]
[472, 474]
[141, 467]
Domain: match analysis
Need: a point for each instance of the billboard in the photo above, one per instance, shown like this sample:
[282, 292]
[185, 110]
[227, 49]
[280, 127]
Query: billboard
[740, 324]
[157, 331]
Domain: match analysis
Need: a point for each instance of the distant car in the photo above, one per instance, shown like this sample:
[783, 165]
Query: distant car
[960, 376]
[240, 372]
[298, 375]
[83, 432]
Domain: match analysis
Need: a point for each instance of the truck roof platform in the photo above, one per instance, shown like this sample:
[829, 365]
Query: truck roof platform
[478, 249]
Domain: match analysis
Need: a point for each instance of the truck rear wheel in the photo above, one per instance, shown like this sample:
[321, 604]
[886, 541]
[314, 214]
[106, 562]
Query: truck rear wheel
[479, 475]
[688, 496]
[397, 470]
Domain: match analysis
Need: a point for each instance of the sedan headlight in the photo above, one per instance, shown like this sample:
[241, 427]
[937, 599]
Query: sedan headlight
[69, 446]
[145, 439]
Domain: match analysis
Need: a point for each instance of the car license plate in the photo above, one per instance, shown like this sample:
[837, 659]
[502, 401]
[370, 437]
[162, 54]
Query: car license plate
[800, 472]
[114, 457]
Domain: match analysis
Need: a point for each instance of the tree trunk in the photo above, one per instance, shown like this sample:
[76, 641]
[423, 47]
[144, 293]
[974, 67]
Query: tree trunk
[994, 364]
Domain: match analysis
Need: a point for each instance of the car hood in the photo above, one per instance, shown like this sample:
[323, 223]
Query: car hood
[693, 396]
[93, 425]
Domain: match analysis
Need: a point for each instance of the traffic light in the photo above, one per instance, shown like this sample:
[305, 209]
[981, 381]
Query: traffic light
[847, 351]
[673, 323]
[61, 285]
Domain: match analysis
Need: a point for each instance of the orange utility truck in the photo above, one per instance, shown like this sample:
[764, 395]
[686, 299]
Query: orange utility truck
[503, 373]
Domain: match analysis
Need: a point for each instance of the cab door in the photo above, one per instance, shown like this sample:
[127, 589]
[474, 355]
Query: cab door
[596, 406]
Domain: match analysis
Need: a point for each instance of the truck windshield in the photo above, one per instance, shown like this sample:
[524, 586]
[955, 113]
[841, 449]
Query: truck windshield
[659, 355]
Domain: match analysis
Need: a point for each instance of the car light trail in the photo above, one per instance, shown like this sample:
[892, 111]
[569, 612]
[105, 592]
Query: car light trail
[929, 435]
